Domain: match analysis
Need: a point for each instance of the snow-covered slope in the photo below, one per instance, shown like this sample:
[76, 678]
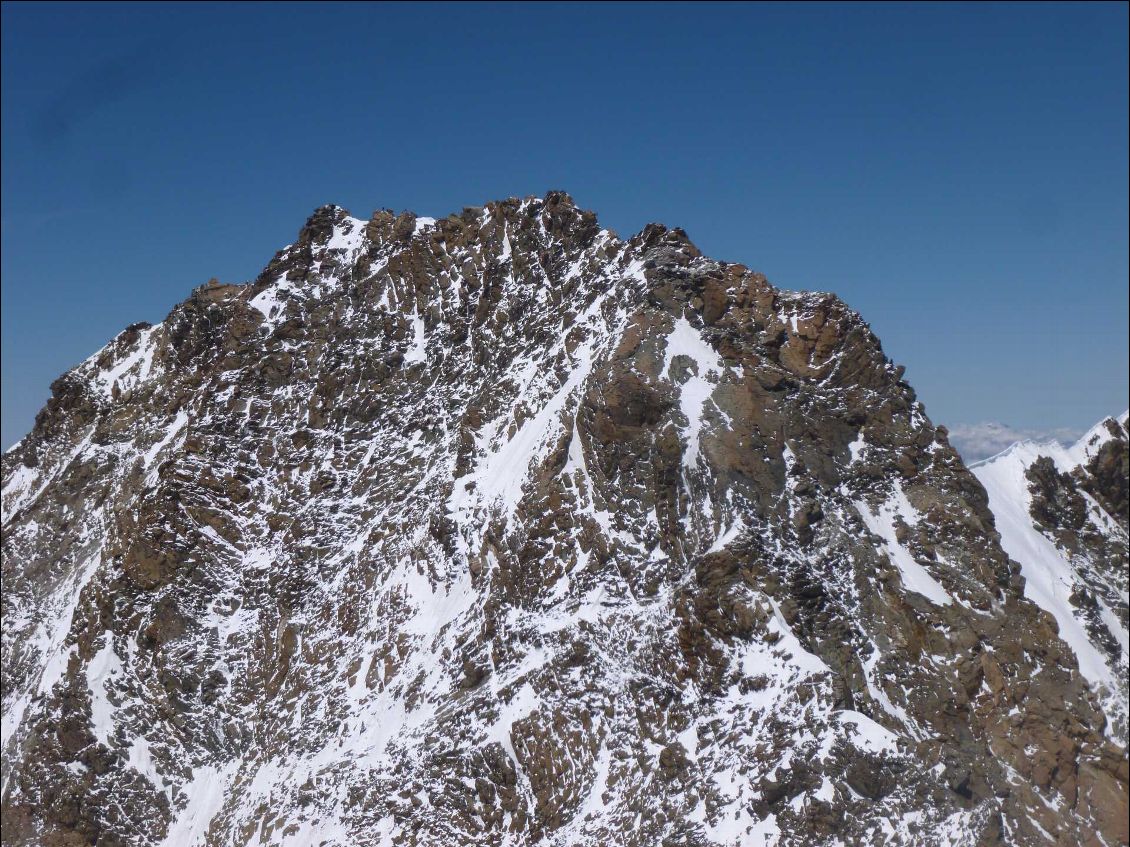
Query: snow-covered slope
[500, 529]
[1065, 523]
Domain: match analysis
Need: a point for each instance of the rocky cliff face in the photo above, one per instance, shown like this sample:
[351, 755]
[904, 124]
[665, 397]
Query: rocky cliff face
[502, 530]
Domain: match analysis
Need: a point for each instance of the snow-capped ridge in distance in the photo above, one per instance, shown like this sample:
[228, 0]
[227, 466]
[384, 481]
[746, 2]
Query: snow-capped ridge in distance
[1060, 511]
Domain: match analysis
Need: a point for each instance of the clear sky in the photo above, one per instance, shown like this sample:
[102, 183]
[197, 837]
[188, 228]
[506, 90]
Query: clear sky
[956, 173]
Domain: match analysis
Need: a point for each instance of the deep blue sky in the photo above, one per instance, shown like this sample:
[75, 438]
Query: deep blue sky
[956, 173]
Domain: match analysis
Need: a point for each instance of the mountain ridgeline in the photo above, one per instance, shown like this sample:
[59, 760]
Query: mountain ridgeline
[498, 529]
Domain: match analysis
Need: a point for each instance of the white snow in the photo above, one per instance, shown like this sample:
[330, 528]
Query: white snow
[136, 365]
[16, 489]
[365, 698]
[729, 534]
[879, 694]
[1048, 575]
[173, 430]
[594, 802]
[418, 351]
[21, 489]
[269, 302]
[685, 340]
[140, 759]
[204, 799]
[349, 235]
[805, 662]
[915, 577]
[103, 668]
[49, 638]
[499, 476]
[1086, 447]
[522, 703]
[867, 734]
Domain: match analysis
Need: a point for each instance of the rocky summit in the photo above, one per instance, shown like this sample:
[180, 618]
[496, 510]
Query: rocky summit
[498, 529]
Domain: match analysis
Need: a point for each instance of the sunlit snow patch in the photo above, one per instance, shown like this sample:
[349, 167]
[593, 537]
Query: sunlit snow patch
[204, 797]
[685, 340]
[882, 523]
[103, 668]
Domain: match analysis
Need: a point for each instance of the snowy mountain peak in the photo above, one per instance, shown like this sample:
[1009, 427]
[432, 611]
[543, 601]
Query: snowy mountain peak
[499, 529]
[1096, 438]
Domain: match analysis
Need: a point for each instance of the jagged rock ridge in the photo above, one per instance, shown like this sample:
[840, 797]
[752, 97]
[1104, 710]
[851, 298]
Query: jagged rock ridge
[499, 529]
